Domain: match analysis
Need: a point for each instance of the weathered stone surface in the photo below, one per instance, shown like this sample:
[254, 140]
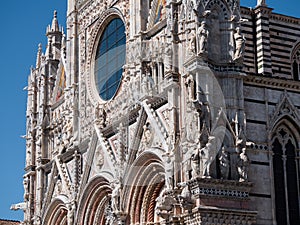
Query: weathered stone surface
[189, 136]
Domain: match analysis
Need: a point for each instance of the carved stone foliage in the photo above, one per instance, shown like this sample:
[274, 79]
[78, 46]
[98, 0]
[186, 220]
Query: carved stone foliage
[159, 49]
[91, 12]
[62, 134]
[86, 112]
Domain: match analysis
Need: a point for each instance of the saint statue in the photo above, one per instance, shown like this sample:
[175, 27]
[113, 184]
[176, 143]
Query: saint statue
[192, 43]
[243, 165]
[239, 44]
[202, 36]
[115, 196]
[224, 163]
[169, 170]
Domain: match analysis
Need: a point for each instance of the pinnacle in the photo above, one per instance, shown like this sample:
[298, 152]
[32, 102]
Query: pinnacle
[55, 26]
[38, 57]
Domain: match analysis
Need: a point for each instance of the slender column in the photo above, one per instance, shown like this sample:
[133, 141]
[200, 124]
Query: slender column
[284, 158]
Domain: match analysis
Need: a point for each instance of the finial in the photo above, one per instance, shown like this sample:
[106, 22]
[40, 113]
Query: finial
[55, 26]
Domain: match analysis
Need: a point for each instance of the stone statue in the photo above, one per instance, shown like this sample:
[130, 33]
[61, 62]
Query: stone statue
[224, 163]
[100, 116]
[202, 37]
[115, 196]
[147, 134]
[195, 163]
[243, 166]
[169, 170]
[190, 83]
[100, 158]
[147, 138]
[193, 43]
[209, 152]
[239, 44]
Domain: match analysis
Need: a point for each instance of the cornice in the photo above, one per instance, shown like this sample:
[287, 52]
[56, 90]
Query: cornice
[283, 18]
[273, 82]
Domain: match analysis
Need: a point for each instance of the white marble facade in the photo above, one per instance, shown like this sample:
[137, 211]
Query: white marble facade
[203, 127]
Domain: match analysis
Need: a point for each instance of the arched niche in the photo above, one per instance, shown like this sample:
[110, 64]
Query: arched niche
[56, 213]
[143, 184]
[219, 31]
[94, 202]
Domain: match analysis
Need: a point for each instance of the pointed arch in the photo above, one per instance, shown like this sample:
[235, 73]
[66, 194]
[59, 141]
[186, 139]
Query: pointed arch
[143, 185]
[56, 213]
[295, 62]
[285, 142]
[93, 204]
[219, 30]
[284, 111]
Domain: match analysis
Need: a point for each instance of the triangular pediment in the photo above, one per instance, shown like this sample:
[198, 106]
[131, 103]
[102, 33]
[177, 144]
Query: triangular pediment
[221, 128]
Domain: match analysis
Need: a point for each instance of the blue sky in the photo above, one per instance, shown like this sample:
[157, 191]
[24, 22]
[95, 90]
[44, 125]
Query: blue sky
[23, 25]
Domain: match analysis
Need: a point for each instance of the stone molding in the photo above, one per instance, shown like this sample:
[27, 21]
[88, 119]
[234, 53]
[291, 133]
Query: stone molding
[212, 215]
[272, 82]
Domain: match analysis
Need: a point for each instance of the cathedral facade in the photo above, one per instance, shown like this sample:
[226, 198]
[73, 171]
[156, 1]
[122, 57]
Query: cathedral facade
[165, 112]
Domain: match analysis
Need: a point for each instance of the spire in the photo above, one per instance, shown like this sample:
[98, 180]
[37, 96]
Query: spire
[38, 57]
[54, 26]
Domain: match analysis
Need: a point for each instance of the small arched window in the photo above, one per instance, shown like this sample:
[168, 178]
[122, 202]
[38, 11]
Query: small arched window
[296, 64]
[286, 177]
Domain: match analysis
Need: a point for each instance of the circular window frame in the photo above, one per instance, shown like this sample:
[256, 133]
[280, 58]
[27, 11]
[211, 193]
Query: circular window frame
[100, 26]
